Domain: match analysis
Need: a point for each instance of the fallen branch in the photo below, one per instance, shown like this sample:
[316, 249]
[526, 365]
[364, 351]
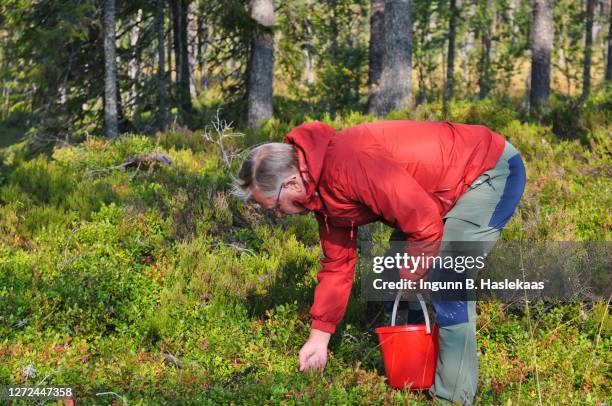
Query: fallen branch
[173, 360]
[114, 394]
[138, 160]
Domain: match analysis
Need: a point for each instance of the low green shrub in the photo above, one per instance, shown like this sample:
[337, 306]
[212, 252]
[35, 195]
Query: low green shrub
[156, 284]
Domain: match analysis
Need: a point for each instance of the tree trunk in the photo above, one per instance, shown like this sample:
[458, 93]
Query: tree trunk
[542, 38]
[421, 56]
[484, 79]
[377, 40]
[181, 52]
[161, 69]
[260, 69]
[588, 50]
[450, 62]
[170, 39]
[308, 52]
[110, 71]
[176, 39]
[201, 53]
[395, 90]
[5, 87]
[192, 43]
[134, 64]
[609, 64]
[466, 50]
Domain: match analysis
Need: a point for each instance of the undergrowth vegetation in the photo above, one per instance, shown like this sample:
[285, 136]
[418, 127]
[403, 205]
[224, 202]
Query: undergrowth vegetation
[155, 284]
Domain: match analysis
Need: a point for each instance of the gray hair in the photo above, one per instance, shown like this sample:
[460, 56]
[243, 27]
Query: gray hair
[265, 168]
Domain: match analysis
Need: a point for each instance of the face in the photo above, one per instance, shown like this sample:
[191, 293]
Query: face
[291, 189]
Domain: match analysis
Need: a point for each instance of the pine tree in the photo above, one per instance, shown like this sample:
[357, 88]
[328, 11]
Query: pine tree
[588, 49]
[261, 64]
[395, 90]
[450, 61]
[161, 68]
[377, 41]
[542, 38]
[110, 75]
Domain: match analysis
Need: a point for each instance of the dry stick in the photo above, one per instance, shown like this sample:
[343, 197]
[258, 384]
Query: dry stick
[113, 393]
[221, 127]
[242, 249]
[137, 160]
[136, 171]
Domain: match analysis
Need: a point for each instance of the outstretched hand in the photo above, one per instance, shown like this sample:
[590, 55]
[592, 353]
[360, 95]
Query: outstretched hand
[313, 354]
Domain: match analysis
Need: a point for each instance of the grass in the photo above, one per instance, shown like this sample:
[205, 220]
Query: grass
[158, 287]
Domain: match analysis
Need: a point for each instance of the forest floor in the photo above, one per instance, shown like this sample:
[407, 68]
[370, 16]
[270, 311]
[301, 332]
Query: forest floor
[154, 284]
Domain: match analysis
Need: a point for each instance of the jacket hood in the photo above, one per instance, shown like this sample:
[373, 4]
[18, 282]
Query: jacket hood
[310, 141]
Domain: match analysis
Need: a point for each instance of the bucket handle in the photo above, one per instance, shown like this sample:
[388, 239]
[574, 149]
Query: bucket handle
[423, 307]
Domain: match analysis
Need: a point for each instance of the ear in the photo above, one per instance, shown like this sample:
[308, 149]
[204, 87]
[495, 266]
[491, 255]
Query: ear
[294, 183]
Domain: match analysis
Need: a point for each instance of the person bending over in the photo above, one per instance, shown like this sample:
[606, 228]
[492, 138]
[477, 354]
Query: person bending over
[431, 181]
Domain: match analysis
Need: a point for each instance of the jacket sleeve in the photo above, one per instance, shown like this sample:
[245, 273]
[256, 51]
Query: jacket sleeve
[335, 279]
[390, 192]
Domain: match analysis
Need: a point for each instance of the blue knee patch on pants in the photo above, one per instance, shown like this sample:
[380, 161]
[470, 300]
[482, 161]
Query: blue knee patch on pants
[513, 190]
[450, 312]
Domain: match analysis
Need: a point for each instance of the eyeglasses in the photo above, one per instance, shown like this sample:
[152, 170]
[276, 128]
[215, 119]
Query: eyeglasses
[272, 212]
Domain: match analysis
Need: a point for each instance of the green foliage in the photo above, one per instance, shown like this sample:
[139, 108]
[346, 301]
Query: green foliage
[109, 275]
[106, 274]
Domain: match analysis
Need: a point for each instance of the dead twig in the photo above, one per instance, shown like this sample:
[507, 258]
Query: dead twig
[115, 394]
[222, 131]
[173, 360]
[150, 159]
[137, 161]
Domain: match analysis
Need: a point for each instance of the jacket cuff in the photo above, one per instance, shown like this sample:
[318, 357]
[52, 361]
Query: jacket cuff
[324, 326]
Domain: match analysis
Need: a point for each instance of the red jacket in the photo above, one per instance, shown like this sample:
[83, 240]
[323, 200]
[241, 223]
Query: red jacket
[407, 174]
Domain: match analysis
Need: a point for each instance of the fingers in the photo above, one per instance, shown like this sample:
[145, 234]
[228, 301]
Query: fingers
[304, 355]
[303, 358]
[311, 357]
[308, 363]
[314, 362]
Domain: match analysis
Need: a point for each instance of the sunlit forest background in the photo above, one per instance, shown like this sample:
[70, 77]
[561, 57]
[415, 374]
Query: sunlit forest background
[129, 272]
[177, 62]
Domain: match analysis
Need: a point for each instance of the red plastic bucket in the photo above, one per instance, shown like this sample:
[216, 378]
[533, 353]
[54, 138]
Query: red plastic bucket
[410, 352]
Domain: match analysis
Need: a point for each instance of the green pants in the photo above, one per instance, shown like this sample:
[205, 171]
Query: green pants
[478, 218]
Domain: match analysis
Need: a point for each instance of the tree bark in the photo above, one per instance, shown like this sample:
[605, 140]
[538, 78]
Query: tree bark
[192, 43]
[111, 123]
[181, 52]
[161, 69]
[588, 49]
[609, 64]
[484, 79]
[542, 38]
[308, 54]
[260, 69]
[134, 64]
[176, 39]
[170, 39]
[450, 62]
[201, 50]
[395, 90]
[377, 40]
